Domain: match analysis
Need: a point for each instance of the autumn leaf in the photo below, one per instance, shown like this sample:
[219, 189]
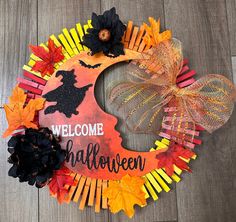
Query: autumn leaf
[18, 114]
[60, 179]
[172, 157]
[49, 58]
[124, 194]
[153, 36]
[18, 97]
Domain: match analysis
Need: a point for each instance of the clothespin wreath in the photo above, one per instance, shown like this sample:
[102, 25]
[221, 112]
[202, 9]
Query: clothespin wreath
[62, 139]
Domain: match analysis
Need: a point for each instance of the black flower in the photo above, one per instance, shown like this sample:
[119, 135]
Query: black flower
[106, 34]
[35, 156]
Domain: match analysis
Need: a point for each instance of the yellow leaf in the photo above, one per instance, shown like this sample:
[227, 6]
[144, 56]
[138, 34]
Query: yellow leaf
[124, 194]
[153, 36]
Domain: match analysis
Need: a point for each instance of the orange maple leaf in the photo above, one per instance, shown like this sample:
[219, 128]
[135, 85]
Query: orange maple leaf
[153, 36]
[124, 194]
[19, 115]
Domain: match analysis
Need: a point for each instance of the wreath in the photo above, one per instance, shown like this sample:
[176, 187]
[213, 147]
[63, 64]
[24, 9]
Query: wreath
[61, 138]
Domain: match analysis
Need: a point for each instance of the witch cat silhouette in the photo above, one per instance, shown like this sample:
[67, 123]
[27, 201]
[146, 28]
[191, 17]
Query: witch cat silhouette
[67, 96]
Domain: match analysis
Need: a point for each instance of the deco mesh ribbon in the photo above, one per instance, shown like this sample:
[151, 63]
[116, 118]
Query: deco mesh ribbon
[151, 85]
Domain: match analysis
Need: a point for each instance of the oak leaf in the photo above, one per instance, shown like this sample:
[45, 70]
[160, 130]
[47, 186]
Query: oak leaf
[153, 35]
[124, 194]
[48, 58]
[18, 114]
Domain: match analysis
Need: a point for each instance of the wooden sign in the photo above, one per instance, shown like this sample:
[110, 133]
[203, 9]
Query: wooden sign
[88, 133]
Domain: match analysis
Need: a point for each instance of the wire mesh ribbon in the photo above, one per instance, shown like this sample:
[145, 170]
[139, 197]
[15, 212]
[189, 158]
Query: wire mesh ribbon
[150, 85]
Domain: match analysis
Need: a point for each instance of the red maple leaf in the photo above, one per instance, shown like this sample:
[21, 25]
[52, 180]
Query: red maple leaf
[60, 179]
[49, 58]
[172, 156]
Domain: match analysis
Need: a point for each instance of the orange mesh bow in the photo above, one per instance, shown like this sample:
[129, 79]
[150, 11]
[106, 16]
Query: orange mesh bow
[151, 85]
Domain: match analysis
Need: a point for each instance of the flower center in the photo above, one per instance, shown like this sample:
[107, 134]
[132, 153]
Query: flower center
[104, 35]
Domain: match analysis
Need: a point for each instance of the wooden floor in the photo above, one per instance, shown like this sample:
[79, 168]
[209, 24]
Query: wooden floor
[207, 29]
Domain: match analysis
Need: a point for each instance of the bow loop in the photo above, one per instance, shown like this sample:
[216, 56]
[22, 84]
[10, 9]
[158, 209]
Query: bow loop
[151, 84]
[211, 101]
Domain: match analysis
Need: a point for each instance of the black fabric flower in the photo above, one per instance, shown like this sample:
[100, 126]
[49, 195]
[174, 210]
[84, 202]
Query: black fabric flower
[106, 34]
[35, 156]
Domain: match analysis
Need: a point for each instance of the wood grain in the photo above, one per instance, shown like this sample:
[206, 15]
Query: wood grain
[18, 26]
[231, 15]
[18, 201]
[234, 68]
[139, 11]
[209, 193]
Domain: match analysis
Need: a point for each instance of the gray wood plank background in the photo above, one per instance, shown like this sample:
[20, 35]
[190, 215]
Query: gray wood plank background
[231, 15]
[208, 32]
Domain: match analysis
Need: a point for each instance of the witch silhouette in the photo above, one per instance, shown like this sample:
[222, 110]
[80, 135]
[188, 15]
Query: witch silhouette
[67, 95]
